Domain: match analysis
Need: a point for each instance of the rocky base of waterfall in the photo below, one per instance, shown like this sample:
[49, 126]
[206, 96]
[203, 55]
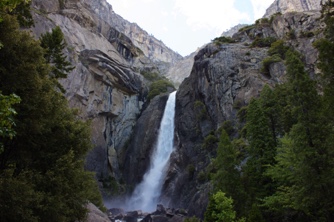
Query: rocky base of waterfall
[161, 214]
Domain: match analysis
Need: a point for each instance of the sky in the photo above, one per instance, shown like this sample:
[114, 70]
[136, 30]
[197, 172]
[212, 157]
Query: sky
[185, 25]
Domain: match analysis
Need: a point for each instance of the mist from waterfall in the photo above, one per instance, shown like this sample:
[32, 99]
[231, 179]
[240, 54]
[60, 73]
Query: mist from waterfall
[146, 194]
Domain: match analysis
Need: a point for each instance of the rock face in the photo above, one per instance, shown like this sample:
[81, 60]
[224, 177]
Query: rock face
[224, 78]
[95, 215]
[233, 30]
[137, 157]
[284, 6]
[181, 69]
[108, 53]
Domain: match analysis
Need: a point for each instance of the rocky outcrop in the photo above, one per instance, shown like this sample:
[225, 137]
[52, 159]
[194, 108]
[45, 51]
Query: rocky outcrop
[224, 78]
[233, 30]
[95, 214]
[151, 47]
[108, 53]
[181, 69]
[137, 157]
[284, 6]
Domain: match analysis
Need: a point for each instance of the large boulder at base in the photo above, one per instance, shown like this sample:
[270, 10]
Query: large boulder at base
[95, 214]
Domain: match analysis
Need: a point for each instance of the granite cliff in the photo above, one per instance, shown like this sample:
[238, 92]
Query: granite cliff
[284, 6]
[224, 78]
[109, 54]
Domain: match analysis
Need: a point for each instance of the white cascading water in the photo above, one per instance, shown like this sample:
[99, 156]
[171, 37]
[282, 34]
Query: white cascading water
[146, 194]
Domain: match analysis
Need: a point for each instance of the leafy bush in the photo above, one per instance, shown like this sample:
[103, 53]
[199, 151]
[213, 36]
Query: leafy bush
[291, 34]
[209, 142]
[158, 87]
[263, 42]
[191, 170]
[306, 34]
[151, 76]
[246, 28]
[262, 21]
[192, 219]
[222, 39]
[200, 109]
[220, 208]
[268, 61]
[278, 48]
[202, 177]
[274, 16]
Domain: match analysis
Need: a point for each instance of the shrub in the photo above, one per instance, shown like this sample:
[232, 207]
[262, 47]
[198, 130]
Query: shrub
[158, 87]
[246, 28]
[268, 61]
[202, 177]
[220, 208]
[291, 34]
[200, 109]
[209, 142]
[151, 76]
[274, 16]
[191, 170]
[192, 219]
[263, 42]
[222, 39]
[278, 48]
[306, 34]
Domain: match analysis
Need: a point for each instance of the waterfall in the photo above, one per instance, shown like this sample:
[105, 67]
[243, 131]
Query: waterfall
[146, 194]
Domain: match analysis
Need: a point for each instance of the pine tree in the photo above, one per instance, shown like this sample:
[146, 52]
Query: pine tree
[227, 177]
[220, 208]
[261, 151]
[54, 45]
[45, 158]
[304, 168]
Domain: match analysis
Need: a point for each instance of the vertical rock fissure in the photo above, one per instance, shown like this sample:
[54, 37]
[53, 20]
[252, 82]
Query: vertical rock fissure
[146, 194]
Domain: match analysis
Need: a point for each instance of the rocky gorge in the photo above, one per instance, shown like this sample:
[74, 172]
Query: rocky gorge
[107, 85]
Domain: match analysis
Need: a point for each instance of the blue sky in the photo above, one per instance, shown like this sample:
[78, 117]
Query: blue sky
[185, 25]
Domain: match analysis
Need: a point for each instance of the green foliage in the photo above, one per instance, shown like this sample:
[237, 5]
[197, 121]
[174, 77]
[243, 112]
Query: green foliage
[158, 87]
[263, 42]
[291, 34]
[278, 48]
[200, 108]
[274, 16]
[247, 28]
[266, 62]
[262, 21]
[191, 170]
[54, 45]
[209, 142]
[227, 177]
[151, 76]
[41, 168]
[192, 219]
[6, 116]
[222, 39]
[220, 208]
[306, 34]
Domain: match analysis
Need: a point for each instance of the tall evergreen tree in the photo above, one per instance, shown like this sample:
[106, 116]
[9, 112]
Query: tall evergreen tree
[54, 45]
[46, 156]
[304, 168]
[227, 177]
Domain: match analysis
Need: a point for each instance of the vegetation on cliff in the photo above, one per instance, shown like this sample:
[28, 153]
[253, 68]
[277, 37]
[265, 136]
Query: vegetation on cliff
[286, 173]
[41, 165]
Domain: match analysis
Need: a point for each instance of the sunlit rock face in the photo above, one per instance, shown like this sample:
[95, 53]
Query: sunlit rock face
[284, 6]
[108, 54]
[224, 78]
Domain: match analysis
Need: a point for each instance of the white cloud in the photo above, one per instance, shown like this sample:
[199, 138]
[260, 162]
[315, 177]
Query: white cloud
[260, 6]
[210, 14]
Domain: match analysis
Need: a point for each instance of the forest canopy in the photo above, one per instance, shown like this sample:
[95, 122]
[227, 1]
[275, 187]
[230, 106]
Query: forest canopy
[43, 143]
